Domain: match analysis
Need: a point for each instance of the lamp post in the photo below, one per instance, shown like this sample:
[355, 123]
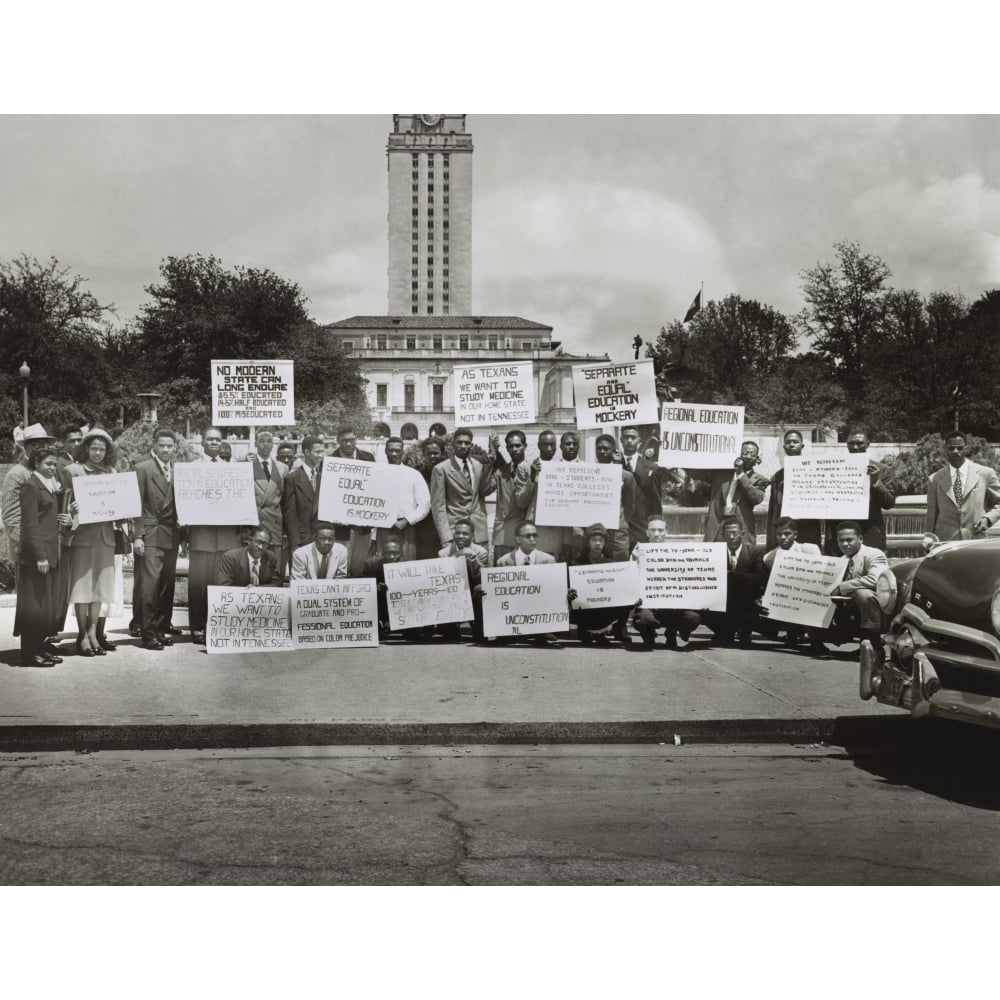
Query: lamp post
[24, 371]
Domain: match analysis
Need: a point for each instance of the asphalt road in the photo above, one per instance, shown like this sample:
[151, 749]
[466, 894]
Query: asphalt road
[925, 813]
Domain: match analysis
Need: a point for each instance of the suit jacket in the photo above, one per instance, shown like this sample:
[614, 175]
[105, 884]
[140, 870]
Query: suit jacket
[267, 492]
[452, 497]
[514, 496]
[235, 569]
[306, 560]
[750, 489]
[300, 506]
[867, 565]
[749, 560]
[945, 518]
[157, 525]
[482, 556]
[767, 557]
[810, 529]
[539, 558]
[39, 524]
[89, 535]
[649, 481]
[873, 526]
[358, 456]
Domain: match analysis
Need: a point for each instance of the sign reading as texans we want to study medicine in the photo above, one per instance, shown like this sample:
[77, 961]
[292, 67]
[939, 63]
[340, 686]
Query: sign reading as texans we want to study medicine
[496, 396]
[248, 620]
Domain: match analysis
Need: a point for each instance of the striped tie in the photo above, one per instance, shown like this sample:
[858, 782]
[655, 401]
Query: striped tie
[958, 488]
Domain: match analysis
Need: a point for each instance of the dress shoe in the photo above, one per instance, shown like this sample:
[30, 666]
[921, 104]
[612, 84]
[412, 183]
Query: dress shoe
[52, 658]
[151, 642]
[135, 631]
[164, 639]
[170, 630]
[37, 661]
[106, 644]
[99, 652]
[51, 648]
[549, 641]
[83, 650]
[198, 638]
[745, 639]
[670, 640]
[818, 649]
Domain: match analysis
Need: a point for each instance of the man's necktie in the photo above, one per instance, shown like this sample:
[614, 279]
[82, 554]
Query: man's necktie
[255, 573]
[958, 487]
[214, 459]
[732, 560]
[465, 469]
[849, 573]
[324, 566]
[267, 471]
[166, 472]
[631, 463]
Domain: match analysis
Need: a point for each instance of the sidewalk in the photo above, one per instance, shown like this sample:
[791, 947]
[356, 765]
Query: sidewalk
[403, 694]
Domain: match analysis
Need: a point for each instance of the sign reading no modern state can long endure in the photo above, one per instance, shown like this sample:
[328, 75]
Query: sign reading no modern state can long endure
[494, 395]
[700, 435]
[614, 394]
[252, 393]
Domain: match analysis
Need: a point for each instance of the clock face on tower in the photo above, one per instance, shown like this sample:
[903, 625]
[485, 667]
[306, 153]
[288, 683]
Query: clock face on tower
[430, 120]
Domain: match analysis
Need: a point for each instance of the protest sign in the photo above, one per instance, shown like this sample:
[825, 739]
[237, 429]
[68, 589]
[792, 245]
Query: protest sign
[677, 574]
[107, 498]
[251, 393]
[615, 394]
[836, 487]
[575, 494]
[605, 585]
[332, 614]
[494, 395]
[215, 493]
[700, 435]
[361, 493]
[428, 592]
[525, 600]
[248, 620]
[798, 589]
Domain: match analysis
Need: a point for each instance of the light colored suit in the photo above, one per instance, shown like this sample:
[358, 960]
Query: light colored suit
[868, 563]
[267, 494]
[454, 497]
[306, 560]
[538, 558]
[944, 518]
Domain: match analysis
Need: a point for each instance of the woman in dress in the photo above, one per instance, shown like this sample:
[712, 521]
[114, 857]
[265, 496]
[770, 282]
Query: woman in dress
[92, 553]
[38, 579]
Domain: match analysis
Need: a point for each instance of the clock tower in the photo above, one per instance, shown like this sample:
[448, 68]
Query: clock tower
[430, 216]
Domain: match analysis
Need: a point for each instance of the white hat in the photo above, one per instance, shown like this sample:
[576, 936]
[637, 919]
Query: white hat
[36, 432]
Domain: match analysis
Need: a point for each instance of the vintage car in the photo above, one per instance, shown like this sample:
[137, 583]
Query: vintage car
[942, 644]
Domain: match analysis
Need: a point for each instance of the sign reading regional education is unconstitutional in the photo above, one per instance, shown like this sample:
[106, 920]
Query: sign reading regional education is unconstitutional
[252, 393]
[700, 435]
[494, 395]
[615, 394]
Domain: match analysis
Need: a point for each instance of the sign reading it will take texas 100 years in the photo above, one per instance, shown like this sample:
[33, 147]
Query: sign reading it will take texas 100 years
[253, 393]
[426, 592]
[615, 394]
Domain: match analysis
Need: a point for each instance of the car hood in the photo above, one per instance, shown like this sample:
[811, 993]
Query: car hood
[956, 582]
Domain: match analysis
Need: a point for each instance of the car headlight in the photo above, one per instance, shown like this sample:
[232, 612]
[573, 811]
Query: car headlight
[886, 591]
[995, 611]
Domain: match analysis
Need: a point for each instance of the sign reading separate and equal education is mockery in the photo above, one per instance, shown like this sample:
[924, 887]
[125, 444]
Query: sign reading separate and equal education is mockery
[360, 493]
[334, 614]
[836, 487]
[215, 493]
[251, 393]
[605, 585]
[615, 394]
[525, 600]
[576, 494]
[688, 575]
[501, 395]
[798, 589]
[248, 620]
[700, 435]
[107, 498]
[428, 592]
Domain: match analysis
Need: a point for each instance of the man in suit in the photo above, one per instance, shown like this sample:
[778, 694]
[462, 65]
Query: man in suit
[513, 491]
[734, 493]
[650, 481]
[528, 554]
[207, 544]
[156, 540]
[323, 559]
[459, 486]
[300, 495]
[957, 495]
[881, 498]
[477, 559]
[357, 539]
[391, 551]
[743, 586]
[809, 530]
[413, 501]
[268, 482]
[554, 539]
[72, 438]
[858, 604]
[250, 565]
[617, 548]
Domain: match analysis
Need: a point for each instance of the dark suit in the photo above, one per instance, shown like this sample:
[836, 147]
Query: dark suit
[358, 539]
[157, 527]
[749, 492]
[810, 530]
[649, 480]
[235, 569]
[300, 506]
[744, 585]
[37, 593]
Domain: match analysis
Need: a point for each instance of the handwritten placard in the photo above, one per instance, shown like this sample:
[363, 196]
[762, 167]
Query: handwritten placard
[362, 493]
[494, 395]
[700, 435]
[798, 589]
[428, 592]
[575, 494]
[525, 600]
[215, 493]
[676, 574]
[253, 392]
[605, 585]
[836, 487]
[615, 394]
[107, 498]
[248, 620]
[334, 614]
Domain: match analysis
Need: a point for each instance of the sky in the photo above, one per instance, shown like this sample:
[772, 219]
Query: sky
[602, 226]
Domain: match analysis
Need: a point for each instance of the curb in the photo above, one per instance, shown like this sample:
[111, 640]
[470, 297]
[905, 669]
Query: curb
[843, 731]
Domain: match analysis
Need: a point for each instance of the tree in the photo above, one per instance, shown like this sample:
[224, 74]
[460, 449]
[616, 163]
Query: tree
[799, 390]
[845, 315]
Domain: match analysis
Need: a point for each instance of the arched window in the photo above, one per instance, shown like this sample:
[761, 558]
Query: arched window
[409, 432]
[438, 430]
[381, 430]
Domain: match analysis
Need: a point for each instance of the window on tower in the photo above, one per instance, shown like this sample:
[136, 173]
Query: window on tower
[437, 343]
[463, 342]
[380, 343]
[411, 343]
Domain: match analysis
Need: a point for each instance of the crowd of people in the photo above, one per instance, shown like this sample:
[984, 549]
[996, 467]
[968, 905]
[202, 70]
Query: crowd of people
[440, 512]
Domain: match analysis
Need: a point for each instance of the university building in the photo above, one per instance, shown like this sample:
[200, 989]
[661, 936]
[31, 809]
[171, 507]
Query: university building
[408, 355]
